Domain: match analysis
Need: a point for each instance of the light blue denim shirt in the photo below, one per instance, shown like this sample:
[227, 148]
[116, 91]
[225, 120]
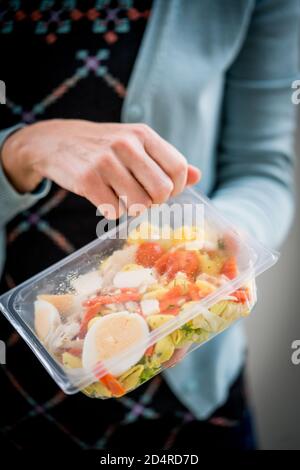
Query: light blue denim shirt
[214, 78]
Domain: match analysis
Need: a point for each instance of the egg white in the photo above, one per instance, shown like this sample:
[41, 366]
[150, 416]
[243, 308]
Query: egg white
[46, 319]
[91, 356]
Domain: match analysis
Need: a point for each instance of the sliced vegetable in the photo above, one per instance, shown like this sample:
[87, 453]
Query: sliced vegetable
[148, 373]
[162, 263]
[174, 292]
[172, 298]
[171, 311]
[89, 315]
[241, 295]
[149, 351]
[230, 268]
[148, 253]
[178, 261]
[194, 292]
[113, 385]
[127, 294]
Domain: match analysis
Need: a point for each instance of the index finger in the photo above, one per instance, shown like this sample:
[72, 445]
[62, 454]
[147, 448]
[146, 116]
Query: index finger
[172, 162]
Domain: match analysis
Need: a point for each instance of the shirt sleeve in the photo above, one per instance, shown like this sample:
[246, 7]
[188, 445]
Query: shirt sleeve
[12, 202]
[255, 153]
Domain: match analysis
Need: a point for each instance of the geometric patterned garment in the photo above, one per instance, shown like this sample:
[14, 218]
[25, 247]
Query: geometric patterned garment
[73, 59]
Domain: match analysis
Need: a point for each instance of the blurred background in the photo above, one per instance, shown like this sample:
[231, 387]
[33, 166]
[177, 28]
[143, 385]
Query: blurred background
[274, 381]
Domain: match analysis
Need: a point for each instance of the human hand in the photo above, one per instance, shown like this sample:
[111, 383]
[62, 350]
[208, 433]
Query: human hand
[99, 161]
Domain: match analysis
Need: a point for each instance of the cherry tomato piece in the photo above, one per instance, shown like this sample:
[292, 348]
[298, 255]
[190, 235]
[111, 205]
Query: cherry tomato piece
[230, 268]
[179, 261]
[148, 253]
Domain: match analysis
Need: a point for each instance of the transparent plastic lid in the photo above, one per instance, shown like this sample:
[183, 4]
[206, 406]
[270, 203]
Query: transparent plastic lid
[121, 298]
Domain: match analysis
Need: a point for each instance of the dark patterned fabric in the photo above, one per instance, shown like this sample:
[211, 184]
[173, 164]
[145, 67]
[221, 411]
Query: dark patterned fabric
[73, 59]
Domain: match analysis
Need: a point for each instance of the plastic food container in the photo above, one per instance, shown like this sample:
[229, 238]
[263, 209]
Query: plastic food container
[135, 301]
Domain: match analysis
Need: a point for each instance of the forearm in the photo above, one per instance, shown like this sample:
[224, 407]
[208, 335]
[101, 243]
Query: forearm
[254, 187]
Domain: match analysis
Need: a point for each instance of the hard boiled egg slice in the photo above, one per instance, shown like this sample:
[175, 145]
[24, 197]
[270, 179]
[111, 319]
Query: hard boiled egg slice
[135, 278]
[112, 335]
[66, 304]
[87, 284]
[46, 319]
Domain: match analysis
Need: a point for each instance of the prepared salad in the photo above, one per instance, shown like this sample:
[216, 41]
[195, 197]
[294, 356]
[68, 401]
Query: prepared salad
[125, 307]
[136, 290]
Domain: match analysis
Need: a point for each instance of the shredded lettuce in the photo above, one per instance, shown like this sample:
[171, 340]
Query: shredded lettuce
[147, 374]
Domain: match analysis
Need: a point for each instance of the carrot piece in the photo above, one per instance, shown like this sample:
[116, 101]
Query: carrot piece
[94, 305]
[126, 295]
[92, 311]
[94, 301]
[242, 295]
[110, 382]
[230, 268]
[150, 350]
[88, 316]
[113, 385]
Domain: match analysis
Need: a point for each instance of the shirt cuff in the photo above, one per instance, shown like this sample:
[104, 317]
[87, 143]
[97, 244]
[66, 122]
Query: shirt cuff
[11, 201]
